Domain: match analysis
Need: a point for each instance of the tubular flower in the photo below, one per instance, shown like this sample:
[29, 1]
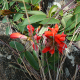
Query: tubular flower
[36, 37]
[17, 35]
[53, 39]
[52, 31]
[30, 29]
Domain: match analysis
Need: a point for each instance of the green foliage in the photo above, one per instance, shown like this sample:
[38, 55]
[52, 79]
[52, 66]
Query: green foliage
[43, 29]
[65, 19]
[52, 60]
[22, 57]
[36, 13]
[11, 3]
[49, 21]
[61, 12]
[22, 6]
[5, 20]
[35, 1]
[31, 60]
[35, 55]
[33, 19]
[72, 25]
[19, 60]
[22, 0]
[8, 30]
[77, 10]
[17, 17]
[16, 45]
[52, 10]
[6, 5]
[1, 1]
[68, 23]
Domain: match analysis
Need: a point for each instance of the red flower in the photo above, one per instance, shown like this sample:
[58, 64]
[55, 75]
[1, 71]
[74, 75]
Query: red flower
[30, 29]
[53, 39]
[35, 47]
[36, 37]
[17, 35]
[52, 31]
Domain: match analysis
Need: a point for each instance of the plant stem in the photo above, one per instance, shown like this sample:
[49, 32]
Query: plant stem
[22, 60]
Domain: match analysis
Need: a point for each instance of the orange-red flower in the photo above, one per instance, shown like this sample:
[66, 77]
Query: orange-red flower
[17, 35]
[53, 39]
[36, 37]
[30, 29]
[52, 31]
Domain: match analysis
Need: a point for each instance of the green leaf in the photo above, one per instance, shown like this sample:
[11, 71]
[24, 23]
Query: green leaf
[16, 45]
[19, 60]
[21, 28]
[33, 19]
[22, 55]
[69, 38]
[50, 21]
[6, 5]
[65, 19]
[11, 3]
[71, 27]
[35, 1]
[78, 38]
[22, 0]
[17, 8]
[22, 6]
[1, 1]
[35, 55]
[52, 10]
[74, 19]
[51, 58]
[8, 30]
[61, 12]
[70, 32]
[17, 17]
[43, 29]
[31, 60]
[36, 12]
[77, 10]
[5, 20]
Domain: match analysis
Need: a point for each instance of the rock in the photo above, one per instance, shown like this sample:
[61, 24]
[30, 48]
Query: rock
[72, 59]
[9, 68]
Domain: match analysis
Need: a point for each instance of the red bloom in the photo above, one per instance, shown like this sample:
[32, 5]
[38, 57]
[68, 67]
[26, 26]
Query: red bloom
[36, 37]
[30, 29]
[35, 47]
[53, 39]
[17, 35]
[52, 31]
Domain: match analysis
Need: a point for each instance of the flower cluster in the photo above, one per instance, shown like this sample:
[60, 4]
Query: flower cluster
[51, 39]
[35, 37]
[31, 38]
